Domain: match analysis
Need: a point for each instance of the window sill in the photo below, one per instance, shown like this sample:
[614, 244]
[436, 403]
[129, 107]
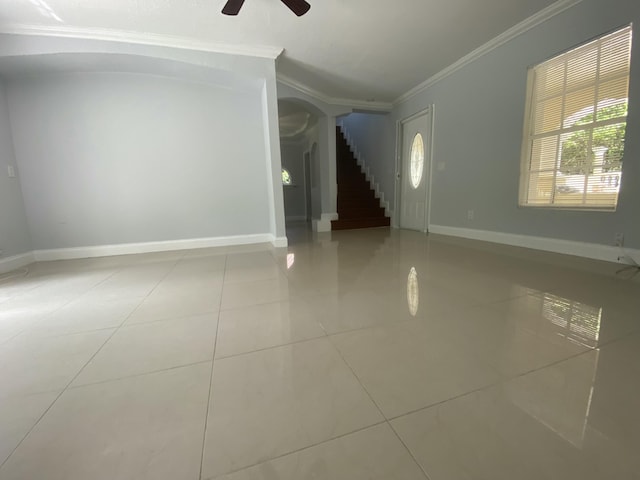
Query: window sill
[568, 208]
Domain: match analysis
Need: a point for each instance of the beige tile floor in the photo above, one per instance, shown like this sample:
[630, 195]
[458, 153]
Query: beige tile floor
[359, 355]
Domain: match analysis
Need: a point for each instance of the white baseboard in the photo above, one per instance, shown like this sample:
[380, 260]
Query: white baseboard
[279, 242]
[17, 261]
[324, 223]
[568, 247]
[148, 247]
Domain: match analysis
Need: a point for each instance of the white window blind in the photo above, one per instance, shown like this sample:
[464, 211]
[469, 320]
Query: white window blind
[575, 126]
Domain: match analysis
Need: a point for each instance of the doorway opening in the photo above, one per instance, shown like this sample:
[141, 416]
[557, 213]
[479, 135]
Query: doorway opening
[299, 152]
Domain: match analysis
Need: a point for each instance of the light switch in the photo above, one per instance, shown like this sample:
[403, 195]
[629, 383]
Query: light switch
[11, 171]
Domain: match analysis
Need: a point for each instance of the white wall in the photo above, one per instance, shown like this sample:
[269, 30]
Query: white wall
[294, 195]
[479, 112]
[14, 232]
[110, 158]
[271, 130]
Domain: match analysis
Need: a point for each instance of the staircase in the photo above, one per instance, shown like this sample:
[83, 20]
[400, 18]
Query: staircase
[358, 206]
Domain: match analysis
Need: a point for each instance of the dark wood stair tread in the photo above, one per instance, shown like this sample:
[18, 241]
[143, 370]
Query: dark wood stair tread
[353, 223]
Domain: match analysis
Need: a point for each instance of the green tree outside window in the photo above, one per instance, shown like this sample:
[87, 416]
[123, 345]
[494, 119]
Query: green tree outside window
[575, 158]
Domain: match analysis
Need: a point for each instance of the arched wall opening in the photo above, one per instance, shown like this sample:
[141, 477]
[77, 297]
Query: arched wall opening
[325, 209]
[298, 123]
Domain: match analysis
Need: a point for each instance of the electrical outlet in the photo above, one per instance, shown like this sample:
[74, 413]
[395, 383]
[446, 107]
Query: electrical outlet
[618, 239]
[11, 171]
[470, 214]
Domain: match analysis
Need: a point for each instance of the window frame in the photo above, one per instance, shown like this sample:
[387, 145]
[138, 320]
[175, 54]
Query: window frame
[529, 123]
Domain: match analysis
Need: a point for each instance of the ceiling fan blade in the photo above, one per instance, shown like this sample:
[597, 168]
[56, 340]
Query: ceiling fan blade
[232, 7]
[299, 7]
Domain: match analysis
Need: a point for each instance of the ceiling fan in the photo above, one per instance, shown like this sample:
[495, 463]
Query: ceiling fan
[299, 7]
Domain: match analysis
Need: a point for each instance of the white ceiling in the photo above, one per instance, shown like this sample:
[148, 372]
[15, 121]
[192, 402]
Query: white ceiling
[355, 49]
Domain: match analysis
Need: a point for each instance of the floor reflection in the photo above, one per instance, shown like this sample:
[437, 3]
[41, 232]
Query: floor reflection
[580, 322]
[413, 292]
[561, 402]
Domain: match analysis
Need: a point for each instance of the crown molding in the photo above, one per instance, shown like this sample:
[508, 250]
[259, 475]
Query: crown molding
[152, 39]
[522, 27]
[344, 102]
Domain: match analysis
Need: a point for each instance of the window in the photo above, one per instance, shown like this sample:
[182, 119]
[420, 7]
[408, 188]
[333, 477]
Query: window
[286, 177]
[417, 160]
[575, 126]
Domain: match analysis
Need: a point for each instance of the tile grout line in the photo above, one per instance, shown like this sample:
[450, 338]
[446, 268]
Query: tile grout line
[169, 319]
[280, 345]
[100, 382]
[252, 305]
[47, 315]
[297, 450]
[386, 420]
[382, 325]
[136, 375]
[504, 381]
[83, 367]
[213, 359]
[56, 399]
[154, 288]
[424, 472]
[65, 388]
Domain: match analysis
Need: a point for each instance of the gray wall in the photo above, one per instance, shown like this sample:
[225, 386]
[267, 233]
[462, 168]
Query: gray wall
[479, 113]
[374, 137]
[109, 158]
[294, 195]
[14, 232]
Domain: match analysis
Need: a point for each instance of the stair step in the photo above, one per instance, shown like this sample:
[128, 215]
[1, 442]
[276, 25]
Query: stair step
[350, 172]
[362, 213]
[353, 223]
[354, 190]
[367, 199]
[362, 186]
[346, 202]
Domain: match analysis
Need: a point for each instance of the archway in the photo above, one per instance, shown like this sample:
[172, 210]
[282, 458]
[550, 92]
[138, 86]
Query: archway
[299, 155]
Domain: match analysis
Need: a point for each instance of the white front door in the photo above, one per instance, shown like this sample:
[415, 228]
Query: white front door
[415, 171]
